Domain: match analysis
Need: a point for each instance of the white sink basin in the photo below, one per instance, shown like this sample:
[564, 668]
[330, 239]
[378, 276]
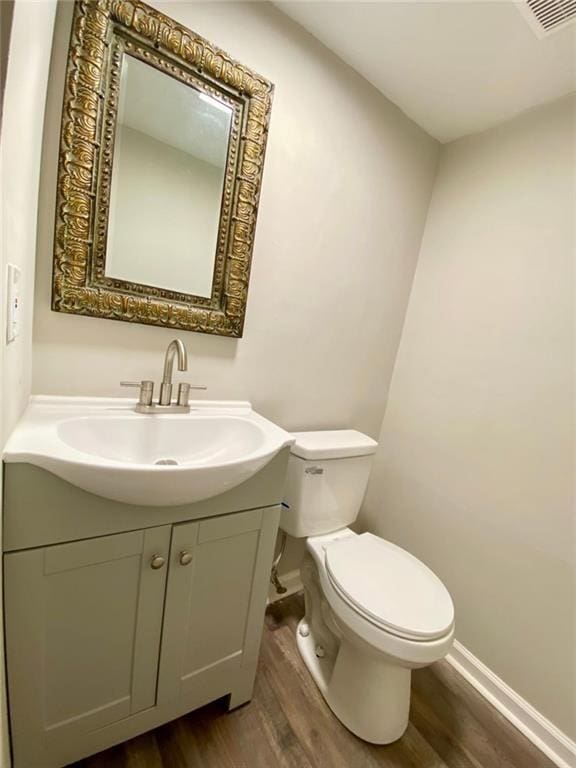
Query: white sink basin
[104, 447]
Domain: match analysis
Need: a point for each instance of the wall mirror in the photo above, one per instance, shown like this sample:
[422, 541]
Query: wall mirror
[162, 150]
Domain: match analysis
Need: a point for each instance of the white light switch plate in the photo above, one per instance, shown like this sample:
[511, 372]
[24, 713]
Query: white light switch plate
[14, 280]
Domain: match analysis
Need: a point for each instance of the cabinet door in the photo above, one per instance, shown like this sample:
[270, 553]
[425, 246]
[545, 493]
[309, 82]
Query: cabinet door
[83, 627]
[215, 602]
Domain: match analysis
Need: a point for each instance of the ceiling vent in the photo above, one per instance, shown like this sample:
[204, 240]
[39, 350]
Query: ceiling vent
[547, 16]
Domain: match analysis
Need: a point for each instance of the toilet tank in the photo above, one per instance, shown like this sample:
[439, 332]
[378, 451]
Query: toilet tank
[326, 481]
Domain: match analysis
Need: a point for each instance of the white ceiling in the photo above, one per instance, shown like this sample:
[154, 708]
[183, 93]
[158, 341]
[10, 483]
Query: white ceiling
[454, 67]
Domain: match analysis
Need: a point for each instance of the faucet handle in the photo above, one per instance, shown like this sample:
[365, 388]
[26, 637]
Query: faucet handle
[146, 388]
[184, 391]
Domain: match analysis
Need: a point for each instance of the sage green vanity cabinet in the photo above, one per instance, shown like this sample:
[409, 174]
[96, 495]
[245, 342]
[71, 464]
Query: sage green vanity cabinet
[211, 574]
[83, 625]
[111, 635]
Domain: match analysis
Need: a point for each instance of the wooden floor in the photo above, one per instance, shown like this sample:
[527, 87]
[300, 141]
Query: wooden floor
[288, 725]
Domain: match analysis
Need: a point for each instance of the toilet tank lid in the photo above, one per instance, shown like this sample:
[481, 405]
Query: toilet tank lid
[332, 444]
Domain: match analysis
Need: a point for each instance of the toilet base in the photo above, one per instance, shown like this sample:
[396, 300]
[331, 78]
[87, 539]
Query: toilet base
[369, 692]
[368, 695]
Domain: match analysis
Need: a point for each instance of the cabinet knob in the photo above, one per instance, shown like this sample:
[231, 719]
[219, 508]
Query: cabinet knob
[185, 558]
[157, 562]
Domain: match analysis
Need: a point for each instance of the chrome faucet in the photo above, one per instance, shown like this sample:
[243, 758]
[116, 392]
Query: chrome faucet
[175, 347]
[165, 404]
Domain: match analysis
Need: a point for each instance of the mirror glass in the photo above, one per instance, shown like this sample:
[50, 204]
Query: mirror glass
[168, 171]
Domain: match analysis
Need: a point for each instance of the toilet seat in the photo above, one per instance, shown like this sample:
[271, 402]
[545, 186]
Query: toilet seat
[389, 587]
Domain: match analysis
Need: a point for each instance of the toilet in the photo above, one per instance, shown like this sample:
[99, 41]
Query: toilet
[373, 611]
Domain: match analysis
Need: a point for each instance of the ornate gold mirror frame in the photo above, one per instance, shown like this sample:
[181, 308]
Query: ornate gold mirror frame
[103, 31]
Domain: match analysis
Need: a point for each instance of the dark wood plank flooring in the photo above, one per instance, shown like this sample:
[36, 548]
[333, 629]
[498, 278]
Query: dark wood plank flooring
[288, 725]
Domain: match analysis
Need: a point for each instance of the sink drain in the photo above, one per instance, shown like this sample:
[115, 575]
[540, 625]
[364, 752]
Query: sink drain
[166, 462]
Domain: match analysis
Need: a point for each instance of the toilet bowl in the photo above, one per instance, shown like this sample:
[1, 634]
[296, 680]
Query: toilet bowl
[373, 611]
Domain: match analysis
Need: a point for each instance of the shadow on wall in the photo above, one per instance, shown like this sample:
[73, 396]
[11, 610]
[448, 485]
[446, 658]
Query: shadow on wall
[6, 13]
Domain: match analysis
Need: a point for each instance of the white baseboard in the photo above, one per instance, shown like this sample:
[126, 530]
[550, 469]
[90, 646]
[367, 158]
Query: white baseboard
[541, 732]
[291, 581]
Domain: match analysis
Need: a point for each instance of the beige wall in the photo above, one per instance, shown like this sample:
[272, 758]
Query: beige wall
[20, 148]
[346, 187]
[475, 470]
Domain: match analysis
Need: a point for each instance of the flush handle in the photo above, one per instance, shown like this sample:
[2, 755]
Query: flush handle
[314, 471]
[185, 558]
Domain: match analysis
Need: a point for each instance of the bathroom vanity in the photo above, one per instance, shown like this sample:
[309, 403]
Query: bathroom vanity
[121, 616]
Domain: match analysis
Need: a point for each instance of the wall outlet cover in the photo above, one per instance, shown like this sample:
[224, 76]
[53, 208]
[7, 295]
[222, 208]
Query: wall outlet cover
[13, 285]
